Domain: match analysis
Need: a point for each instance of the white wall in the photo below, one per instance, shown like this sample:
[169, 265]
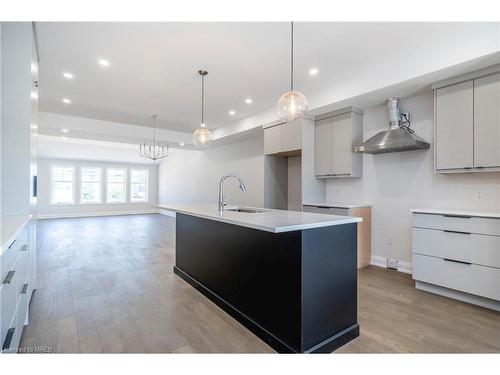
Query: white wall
[17, 42]
[396, 182]
[192, 176]
[45, 209]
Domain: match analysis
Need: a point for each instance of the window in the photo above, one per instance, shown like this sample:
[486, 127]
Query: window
[116, 185]
[90, 188]
[139, 185]
[62, 180]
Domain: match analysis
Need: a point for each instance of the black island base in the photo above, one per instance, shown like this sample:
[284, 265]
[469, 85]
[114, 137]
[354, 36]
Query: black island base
[297, 290]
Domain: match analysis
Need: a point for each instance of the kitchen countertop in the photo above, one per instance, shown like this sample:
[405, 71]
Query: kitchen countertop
[336, 205]
[276, 221]
[12, 225]
[442, 211]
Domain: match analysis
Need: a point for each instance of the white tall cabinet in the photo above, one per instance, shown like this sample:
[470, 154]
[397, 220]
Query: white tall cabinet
[19, 94]
[467, 118]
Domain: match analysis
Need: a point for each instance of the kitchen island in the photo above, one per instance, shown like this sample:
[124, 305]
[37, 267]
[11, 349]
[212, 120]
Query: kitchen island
[290, 277]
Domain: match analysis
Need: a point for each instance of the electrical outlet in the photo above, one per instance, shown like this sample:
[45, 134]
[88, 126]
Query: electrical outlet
[390, 239]
[392, 263]
[479, 194]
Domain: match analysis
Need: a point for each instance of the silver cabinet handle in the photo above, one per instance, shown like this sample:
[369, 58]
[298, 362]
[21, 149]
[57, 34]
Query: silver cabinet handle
[459, 216]
[25, 289]
[9, 277]
[13, 242]
[8, 338]
[455, 231]
[457, 261]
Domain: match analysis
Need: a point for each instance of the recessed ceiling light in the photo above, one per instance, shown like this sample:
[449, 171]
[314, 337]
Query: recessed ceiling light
[63, 137]
[313, 71]
[103, 62]
[181, 143]
[66, 101]
[34, 126]
[248, 101]
[64, 130]
[232, 113]
[68, 75]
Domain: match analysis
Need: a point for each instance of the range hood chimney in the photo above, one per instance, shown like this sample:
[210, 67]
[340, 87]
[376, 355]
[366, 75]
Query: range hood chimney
[399, 136]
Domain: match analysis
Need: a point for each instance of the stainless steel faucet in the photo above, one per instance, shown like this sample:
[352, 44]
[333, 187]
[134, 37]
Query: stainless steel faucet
[221, 202]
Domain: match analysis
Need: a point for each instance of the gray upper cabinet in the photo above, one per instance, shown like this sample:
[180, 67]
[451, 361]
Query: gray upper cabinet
[454, 133]
[323, 147]
[283, 138]
[467, 115]
[487, 121]
[335, 135]
[272, 140]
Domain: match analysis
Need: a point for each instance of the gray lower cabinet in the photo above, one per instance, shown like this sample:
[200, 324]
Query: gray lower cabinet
[335, 135]
[458, 256]
[364, 228]
[17, 278]
[467, 119]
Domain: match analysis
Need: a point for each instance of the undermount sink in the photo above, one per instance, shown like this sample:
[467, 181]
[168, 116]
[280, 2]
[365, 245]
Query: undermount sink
[245, 210]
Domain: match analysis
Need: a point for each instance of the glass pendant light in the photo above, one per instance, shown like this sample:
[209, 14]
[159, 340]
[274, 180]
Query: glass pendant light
[202, 136]
[292, 104]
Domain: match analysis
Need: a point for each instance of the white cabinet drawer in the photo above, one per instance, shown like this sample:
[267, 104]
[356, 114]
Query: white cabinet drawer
[473, 248]
[468, 224]
[469, 278]
[326, 210]
[9, 257]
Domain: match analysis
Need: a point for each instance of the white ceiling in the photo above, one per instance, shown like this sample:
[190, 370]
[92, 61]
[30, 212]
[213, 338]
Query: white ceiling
[153, 65]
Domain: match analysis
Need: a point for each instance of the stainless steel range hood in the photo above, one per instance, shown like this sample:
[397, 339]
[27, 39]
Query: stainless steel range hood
[399, 136]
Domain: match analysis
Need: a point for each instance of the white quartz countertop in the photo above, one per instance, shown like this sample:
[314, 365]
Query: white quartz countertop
[276, 221]
[442, 211]
[11, 227]
[336, 204]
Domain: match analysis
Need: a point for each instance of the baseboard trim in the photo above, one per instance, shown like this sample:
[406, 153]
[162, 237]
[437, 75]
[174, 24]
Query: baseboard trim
[92, 214]
[165, 212]
[378, 261]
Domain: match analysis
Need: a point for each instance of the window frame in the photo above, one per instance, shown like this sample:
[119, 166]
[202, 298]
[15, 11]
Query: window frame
[146, 199]
[100, 185]
[73, 184]
[125, 191]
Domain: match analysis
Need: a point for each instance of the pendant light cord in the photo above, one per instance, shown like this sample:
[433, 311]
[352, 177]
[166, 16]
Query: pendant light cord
[202, 99]
[291, 57]
[154, 127]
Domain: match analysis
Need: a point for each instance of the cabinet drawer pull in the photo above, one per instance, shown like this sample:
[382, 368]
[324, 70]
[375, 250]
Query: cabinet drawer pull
[24, 248]
[13, 242]
[9, 277]
[25, 289]
[459, 216]
[455, 231]
[456, 261]
[8, 338]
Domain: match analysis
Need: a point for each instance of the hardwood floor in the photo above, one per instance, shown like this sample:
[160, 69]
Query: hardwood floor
[105, 284]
